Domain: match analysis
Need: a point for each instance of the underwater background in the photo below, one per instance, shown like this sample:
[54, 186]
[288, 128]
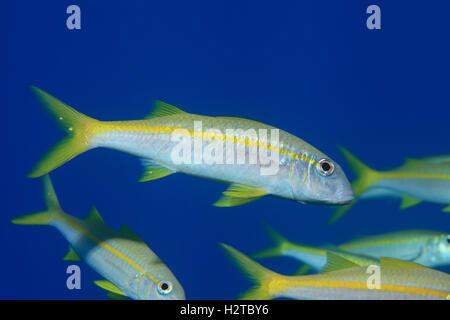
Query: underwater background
[310, 68]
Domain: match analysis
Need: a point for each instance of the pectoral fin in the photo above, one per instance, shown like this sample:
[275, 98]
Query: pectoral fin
[153, 171]
[109, 286]
[409, 202]
[237, 195]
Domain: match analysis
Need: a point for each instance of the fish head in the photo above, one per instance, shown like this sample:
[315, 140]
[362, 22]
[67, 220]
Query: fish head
[159, 286]
[435, 251]
[320, 180]
[441, 253]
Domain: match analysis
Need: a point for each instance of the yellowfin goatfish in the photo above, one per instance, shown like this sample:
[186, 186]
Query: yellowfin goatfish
[391, 279]
[130, 268]
[428, 248]
[234, 150]
[426, 179]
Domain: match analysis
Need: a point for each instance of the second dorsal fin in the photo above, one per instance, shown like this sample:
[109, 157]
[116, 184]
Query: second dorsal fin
[94, 216]
[129, 234]
[162, 109]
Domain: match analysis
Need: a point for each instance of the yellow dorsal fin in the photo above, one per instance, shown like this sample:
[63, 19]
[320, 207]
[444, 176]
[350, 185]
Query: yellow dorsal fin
[71, 256]
[162, 109]
[412, 162]
[94, 216]
[337, 262]
[395, 263]
[153, 171]
[237, 195]
[129, 234]
[409, 202]
[109, 286]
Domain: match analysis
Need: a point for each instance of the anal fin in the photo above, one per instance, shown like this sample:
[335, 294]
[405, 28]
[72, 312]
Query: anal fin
[153, 171]
[237, 195]
[409, 202]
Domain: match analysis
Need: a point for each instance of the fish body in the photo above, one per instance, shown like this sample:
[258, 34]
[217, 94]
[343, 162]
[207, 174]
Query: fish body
[391, 279]
[129, 266]
[428, 248]
[254, 158]
[425, 247]
[426, 179]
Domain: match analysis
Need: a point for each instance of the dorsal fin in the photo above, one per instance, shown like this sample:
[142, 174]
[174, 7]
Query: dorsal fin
[130, 234]
[409, 162]
[71, 255]
[162, 109]
[395, 263]
[94, 216]
[336, 262]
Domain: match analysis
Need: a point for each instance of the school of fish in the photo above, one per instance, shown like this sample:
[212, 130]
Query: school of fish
[255, 160]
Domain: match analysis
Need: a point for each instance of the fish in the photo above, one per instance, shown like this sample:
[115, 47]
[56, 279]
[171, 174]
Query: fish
[425, 179]
[391, 279]
[425, 247]
[170, 140]
[129, 267]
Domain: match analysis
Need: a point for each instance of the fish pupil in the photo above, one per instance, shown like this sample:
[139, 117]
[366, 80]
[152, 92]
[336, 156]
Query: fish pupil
[326, 166]
[164, 286]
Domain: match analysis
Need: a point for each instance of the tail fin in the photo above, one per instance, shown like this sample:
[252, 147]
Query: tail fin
[366, 177]
[255, 272]
[44, 217]
[280, 244]
[76, 124]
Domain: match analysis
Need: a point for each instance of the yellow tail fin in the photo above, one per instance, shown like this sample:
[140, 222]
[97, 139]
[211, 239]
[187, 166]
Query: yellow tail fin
[44, 217]
[261, 276]
[365, 177]
[76, 124]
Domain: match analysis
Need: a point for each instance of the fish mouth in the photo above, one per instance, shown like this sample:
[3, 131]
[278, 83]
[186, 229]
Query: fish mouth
[346, 197]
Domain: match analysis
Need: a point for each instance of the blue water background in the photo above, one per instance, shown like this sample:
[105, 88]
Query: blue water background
[311, 68]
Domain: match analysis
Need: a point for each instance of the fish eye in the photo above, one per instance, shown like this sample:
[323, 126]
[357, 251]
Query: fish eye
[325, 167]
[448, 240]
[164, 287]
